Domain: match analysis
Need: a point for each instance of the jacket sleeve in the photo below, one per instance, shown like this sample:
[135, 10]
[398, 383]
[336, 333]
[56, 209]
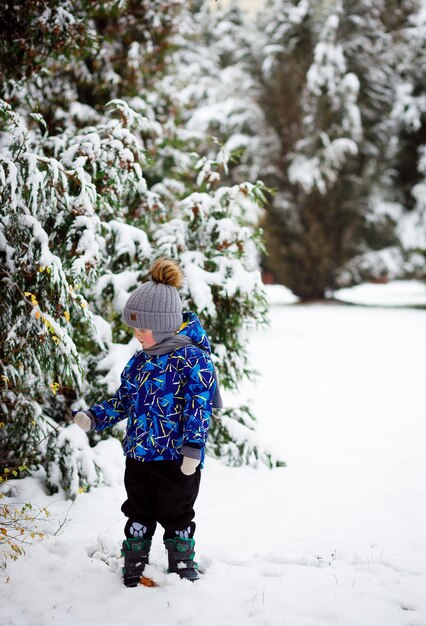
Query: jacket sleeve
[198, 392]
[116, 408]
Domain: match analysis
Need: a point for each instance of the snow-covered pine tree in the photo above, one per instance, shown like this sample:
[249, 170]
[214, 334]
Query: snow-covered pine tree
[370, 32]
[109, 206]
[409, 112]
[51, 239]
[56, 188]
[230, 79]
[214, 82]
[415, 243]
[210, 229]
[40, 235]
[328, 106]
[38, 33]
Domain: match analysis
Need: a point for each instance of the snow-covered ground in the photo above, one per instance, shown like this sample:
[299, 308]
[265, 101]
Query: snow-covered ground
[410, 293]
[337, 538]
[278, 294]
[394, 293]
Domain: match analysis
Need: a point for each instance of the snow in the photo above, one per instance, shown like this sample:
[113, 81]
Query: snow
[329, 62]
[394, 293]
[278, 294]
[81, 112]
[102, 330]
[231, 277]
[129, 239]
[82, 461]
[39, 234]
[335, 538]
[88, 244]
[385, 264]
[114, 361]
[122, 283]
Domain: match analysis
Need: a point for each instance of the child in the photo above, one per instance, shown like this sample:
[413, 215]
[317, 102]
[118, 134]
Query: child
[167, 393]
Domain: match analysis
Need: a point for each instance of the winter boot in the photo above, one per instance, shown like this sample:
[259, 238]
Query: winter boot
[181, 558]
[136, 556]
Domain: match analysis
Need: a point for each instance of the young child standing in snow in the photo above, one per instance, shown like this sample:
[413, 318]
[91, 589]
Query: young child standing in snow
[167, 393]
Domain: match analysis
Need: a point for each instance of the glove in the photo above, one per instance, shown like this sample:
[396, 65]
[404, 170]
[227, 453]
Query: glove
[189, 465]
[83, 420]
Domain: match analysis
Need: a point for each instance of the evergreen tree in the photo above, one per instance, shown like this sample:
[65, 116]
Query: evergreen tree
[216, 88]
[253, 91]
[42, 237]
[409, 112]
[50, 245]
[93, 188]
[329, 104]
[37, 33]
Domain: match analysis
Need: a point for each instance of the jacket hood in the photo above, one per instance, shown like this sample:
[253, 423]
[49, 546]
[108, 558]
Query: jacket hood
[193, 329]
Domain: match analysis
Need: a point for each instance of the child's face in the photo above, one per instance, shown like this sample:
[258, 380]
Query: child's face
[145, 337]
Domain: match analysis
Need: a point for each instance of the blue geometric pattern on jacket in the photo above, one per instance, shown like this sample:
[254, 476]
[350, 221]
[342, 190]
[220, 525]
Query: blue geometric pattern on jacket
[167, 399]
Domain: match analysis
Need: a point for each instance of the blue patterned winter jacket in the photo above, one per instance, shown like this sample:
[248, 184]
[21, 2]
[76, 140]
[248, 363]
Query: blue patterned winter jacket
[167, 399]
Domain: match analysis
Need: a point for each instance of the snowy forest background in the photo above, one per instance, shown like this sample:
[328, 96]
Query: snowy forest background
[289, 144]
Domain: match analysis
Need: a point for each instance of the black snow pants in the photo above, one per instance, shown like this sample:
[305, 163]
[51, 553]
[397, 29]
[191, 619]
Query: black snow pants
[157, 491]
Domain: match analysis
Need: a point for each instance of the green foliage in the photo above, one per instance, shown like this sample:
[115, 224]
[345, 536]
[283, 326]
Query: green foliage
[333, 138]
[309, 96]
[12, 472]
[50, 251]
[42, 30]
[96, 182]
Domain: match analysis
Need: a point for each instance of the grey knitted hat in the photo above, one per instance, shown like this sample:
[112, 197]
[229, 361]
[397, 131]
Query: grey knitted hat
[156, 305]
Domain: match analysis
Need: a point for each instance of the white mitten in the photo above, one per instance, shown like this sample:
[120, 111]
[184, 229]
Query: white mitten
[83, 420]
[189, 465]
